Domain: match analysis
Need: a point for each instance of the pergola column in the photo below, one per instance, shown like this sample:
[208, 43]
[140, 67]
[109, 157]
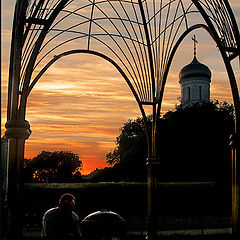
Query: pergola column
[235, 145]
[152, 179]
[17, 132]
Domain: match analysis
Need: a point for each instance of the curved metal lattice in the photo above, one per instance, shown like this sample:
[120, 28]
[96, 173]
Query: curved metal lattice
[137, 35]
[115, 28]
[219, 13]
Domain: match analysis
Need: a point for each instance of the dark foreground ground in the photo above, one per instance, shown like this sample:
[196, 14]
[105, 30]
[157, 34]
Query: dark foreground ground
[186, 210]
[190, 234]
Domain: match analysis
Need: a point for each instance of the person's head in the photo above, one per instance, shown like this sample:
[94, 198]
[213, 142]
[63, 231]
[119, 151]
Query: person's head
[66, 202]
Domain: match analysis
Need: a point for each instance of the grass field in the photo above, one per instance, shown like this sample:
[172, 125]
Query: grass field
[180, 205]
[183, 208]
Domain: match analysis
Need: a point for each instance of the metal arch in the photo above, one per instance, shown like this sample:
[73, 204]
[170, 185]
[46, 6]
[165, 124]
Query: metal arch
[64, 54]
[220, 18]
[236, 136]
[15, 56]
[192, 28]
[148, 47]
[226, 59]
[227, 63]
[34, 19]
[146, 85]
[27, 77]
[148, 35]
[235, 29]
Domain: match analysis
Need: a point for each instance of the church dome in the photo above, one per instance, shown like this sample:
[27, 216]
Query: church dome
[195, 69]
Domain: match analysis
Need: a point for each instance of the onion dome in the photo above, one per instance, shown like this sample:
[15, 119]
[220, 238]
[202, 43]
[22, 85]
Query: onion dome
[195, 69]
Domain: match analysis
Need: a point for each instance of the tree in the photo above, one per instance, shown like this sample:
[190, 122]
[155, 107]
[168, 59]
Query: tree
[192, 146]
[196, 142]
[113, 157]
[28, 170]
[127, 160]
[59, 166]
[132, 149]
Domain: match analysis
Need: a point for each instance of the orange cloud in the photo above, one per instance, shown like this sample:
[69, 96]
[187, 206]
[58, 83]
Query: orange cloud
[81, 101]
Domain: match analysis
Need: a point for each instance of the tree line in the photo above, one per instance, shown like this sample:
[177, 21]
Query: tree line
[192, 142]
[58, 166]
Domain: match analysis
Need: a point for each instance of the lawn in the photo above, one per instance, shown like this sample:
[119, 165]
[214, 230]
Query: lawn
[180, 205]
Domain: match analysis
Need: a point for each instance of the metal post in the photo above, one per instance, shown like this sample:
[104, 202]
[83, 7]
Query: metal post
[152, 167]
[235, 143]
[4, 147]
[236, 100]
[17, 131]
[235, 186]
[152, 173]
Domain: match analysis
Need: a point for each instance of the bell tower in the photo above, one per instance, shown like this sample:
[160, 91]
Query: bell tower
[195, 81]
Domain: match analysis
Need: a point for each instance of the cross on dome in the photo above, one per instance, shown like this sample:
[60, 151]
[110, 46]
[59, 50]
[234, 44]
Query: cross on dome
[194, 44]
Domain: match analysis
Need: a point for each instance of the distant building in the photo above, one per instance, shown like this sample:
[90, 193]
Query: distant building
[195, 81]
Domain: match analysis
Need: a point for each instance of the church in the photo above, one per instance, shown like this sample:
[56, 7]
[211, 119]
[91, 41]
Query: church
[194, 80]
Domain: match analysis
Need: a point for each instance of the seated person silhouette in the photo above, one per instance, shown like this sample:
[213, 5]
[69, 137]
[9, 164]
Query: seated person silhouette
[61, 223]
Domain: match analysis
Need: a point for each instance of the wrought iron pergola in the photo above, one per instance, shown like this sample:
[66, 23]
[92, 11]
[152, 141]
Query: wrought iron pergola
[140, 38]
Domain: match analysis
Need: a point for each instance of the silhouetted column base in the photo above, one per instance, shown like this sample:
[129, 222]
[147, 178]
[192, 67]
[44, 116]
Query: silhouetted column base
[152, 168]
[17, 131]
[235, 144]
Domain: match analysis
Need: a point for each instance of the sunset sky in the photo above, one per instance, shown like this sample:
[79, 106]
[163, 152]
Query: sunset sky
[82, 101]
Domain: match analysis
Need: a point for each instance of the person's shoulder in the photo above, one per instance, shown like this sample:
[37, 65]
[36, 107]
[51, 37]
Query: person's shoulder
[75, 216]
[51, 212]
